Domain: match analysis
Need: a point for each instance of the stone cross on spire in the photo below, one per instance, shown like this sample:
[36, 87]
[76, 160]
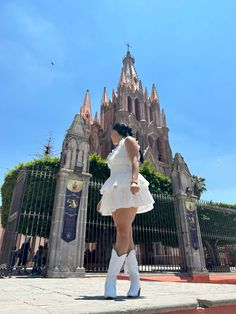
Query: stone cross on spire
[128, 46]
[129, 77]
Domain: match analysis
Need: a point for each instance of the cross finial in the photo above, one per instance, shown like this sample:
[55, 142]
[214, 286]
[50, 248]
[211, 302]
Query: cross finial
[128, 46]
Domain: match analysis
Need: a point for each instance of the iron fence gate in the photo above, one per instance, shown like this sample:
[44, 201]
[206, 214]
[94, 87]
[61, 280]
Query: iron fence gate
[25, 243]
[155, 236]
[218, 230]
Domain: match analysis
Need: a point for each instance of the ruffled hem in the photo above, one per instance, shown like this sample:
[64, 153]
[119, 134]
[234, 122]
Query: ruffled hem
[140, 210]
[121, 197]
[122, 180]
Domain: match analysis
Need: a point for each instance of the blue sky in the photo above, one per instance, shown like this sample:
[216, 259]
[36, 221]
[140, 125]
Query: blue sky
[186, 47]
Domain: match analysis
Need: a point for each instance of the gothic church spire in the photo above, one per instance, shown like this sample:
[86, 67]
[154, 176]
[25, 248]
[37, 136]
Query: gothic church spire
[129, 76]
[105, 99]
[86, 108]
[154, 97]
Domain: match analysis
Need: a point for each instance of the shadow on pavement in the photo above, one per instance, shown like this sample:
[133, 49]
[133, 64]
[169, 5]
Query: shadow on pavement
[101, 298]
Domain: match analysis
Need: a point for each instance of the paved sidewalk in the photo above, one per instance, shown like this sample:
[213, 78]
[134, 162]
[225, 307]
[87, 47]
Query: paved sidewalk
[85, 295]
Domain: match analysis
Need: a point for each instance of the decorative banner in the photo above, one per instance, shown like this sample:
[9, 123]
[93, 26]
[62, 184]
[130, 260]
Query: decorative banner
[72, 202]
[192, 223]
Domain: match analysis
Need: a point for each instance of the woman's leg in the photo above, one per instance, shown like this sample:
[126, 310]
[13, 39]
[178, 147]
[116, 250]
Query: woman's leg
[130, 248]
[131, 266]
[131, 241]
[123, 219]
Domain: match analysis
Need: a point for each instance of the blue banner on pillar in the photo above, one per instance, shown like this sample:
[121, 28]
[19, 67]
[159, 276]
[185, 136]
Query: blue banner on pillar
[72, 202]
[192, 224]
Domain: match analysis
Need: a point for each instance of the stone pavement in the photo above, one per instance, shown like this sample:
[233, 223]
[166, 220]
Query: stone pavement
[85, 295]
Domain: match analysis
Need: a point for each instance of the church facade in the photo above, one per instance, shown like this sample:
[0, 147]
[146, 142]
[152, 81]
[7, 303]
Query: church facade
[132, 105]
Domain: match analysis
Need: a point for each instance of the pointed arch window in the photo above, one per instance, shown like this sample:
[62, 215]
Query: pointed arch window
[137, 109]
[129, 101]
[146, 111]
[151, 113]
[116, 106]
[159, 148]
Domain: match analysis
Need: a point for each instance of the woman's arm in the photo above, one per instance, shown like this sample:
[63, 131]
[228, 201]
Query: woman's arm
[98, 206]
[133, 152]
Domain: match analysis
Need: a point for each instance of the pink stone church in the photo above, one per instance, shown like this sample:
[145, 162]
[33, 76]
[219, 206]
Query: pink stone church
[132, 105]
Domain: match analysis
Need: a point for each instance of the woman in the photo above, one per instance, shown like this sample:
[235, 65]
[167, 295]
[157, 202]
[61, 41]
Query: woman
[124, 194]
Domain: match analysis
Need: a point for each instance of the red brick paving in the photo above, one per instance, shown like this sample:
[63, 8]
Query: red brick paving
[218, 279]
[226, 309]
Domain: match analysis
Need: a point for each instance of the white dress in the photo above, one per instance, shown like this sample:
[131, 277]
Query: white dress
[116, 189]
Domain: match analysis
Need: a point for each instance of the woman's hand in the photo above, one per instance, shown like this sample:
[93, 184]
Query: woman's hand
[99, 206]
[134, 187]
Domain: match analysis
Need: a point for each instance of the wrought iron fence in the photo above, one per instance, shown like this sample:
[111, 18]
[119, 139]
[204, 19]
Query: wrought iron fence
[218, 230]
[25, 242]
[155, 236]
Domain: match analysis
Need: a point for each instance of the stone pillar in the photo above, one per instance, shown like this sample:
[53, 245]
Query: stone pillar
[67, 234]
[190, 241]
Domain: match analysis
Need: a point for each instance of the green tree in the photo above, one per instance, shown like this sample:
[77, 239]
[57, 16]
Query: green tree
[37, 179]
[98, 167]
[218, 228]
[158, 182]
[199, 185]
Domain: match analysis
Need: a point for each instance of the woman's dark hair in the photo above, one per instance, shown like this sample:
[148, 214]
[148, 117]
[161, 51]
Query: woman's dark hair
[124, 130]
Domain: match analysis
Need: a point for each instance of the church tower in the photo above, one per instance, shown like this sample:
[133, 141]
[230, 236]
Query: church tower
[85, 110]
[131, 104]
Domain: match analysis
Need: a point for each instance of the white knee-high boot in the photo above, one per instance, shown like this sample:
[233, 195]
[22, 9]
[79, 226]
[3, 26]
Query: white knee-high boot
[132, 266]
[115, 264]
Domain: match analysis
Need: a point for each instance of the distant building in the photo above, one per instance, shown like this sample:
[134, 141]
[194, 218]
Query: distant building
[132, 105]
